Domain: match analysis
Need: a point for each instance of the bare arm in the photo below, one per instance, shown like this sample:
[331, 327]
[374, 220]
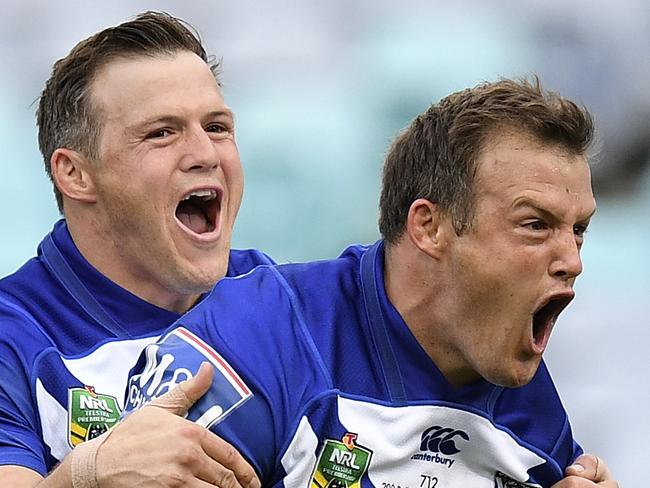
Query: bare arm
[154, 447]
[19, 477]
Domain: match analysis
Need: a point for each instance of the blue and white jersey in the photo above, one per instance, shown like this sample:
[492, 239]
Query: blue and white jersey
[320, 383]
[68, 337]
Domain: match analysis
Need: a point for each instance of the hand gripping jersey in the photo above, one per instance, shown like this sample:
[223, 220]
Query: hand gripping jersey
[320, 383]
[68, 336]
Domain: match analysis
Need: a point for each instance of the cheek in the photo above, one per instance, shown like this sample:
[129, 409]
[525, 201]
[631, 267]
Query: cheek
[511, 270]
[485, 281]
[234, 180]
[492, 309]
[230, 161]
[530, 267]
[132, 208]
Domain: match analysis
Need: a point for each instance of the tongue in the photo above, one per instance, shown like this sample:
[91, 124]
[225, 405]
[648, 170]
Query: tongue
[192, 217]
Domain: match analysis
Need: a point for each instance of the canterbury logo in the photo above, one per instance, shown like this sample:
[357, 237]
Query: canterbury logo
[441, 439]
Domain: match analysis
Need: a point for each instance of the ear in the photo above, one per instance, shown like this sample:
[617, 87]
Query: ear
[427, 227]
[72, 175]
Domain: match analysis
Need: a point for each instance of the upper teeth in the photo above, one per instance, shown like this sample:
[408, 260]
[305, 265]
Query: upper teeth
[204, 194]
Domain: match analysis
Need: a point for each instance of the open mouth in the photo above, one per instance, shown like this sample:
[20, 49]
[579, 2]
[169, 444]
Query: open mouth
[544, 319]
[198, 210]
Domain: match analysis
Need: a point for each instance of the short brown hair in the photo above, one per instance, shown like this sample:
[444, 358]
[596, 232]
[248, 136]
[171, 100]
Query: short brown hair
[65, 115]
[435, 157]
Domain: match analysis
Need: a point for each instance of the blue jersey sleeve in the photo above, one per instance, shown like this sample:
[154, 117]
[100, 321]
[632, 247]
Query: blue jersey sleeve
[20, 440]
[266, 367]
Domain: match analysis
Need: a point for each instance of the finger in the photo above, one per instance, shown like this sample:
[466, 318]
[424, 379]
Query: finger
[179, 399]
[580, 482]
[215, 474]
[197, 483]
[201, 467]
[227, 461]
[590, 467]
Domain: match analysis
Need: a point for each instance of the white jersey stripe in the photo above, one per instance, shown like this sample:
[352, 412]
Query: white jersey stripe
[54, 420]
[300, 457]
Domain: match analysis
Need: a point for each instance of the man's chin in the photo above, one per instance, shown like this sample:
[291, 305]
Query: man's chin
[204, 282]
[519, 375]
[200, 280]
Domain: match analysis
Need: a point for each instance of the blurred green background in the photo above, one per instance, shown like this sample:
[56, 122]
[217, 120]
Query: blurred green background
[320, 88]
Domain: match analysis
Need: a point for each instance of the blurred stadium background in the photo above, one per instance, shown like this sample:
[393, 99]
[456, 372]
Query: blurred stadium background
[319, 89]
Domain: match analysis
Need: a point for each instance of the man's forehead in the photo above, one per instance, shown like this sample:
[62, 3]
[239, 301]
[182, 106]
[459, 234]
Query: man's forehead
[147, 87]
[147, 68]
[512, 167]
[517, 150]
[144, 58]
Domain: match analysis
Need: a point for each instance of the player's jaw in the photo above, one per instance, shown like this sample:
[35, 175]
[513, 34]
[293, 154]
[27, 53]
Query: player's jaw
[199, 219]
[513, 336]
[526, 346]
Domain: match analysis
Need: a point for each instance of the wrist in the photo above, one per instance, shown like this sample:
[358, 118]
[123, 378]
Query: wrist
[83, 465]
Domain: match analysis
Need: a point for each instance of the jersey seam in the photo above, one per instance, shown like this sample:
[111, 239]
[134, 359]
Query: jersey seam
[50, 268]
[21, 311]
[303, 327]
[384, 376]
[291, 432]
[558, 441]
[492, 400]
[372, 289]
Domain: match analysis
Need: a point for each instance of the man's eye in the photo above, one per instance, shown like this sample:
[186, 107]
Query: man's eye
[579, 230]
[217, 128]
[536, 225]
[159, 134]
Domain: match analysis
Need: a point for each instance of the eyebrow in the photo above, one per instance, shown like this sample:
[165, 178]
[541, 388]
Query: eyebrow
[222, 113]
[174, 119]
[546, 213]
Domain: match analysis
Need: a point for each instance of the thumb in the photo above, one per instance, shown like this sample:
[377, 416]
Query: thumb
[589, 467]
[180, 399]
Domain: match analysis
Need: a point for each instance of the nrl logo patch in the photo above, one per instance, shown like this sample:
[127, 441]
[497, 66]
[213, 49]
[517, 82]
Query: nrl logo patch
[341, 464]
[90, 414]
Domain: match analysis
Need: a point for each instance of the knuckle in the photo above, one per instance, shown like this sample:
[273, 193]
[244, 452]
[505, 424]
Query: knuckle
[176, 479]
[188, 456]
[247, 475]
[230, 456]
[569, 482]
[591, 460]
[190, 431]
[227, 479]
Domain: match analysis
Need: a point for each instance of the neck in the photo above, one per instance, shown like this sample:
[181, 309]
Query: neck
[95, 245]
[414, 287]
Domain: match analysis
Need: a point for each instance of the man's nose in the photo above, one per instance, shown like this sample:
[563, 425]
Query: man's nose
[201, 152]
[567, 263]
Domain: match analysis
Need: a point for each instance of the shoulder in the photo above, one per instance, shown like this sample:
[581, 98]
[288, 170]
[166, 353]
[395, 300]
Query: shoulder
[286, 311]
[327, 274]
[256, 310]
[20, 294]
[25, 278]
[267, 286]
[244, 260]
[283, 311]
[36, 311]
